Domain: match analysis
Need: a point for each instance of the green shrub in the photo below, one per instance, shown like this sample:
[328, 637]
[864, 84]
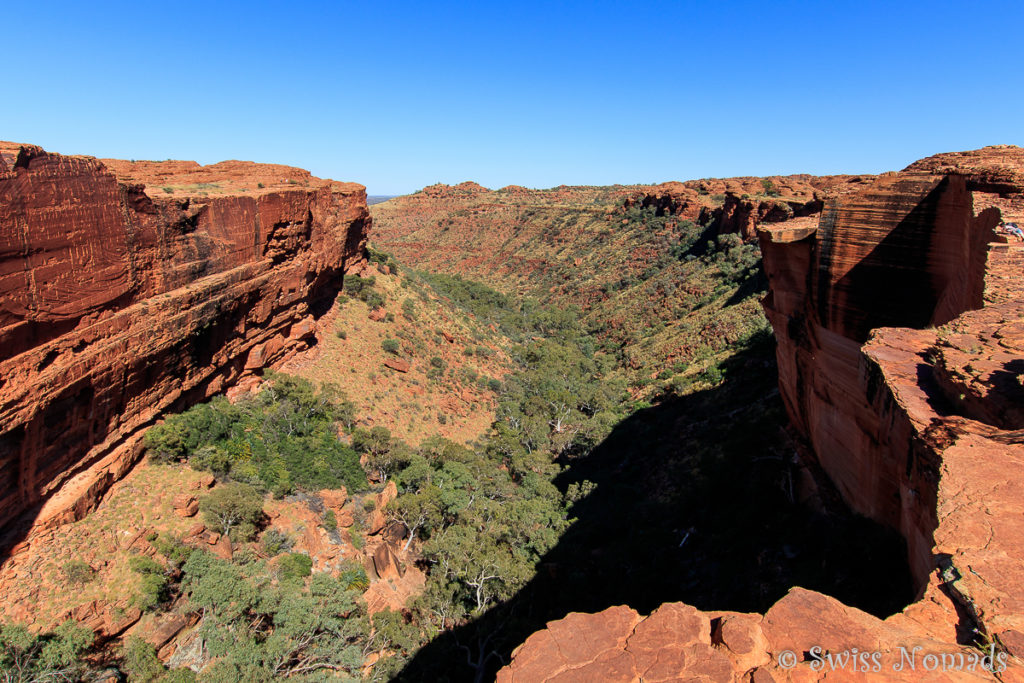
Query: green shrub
[356, 539]
[55, 656]
[233, 509]
[330, 521]
[78, 572]
[352, 576]
[437, 362]
[152, 582]
[139, 660]
[173, 549]
[294, 566]
[341, 334]
[275, 542]
[409, 309]
[390, 345]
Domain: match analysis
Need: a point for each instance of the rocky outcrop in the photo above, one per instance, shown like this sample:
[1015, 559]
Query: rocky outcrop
[901, 358]
[739, 205]
[130, 288]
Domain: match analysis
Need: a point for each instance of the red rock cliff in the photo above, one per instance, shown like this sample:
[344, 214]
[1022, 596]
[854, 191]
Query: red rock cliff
[901, 356]
[127, 288]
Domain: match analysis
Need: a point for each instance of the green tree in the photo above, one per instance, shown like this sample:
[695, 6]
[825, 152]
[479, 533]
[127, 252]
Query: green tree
[26, 657]
[233, 509]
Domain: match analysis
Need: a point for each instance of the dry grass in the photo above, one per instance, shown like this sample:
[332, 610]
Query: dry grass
[425, 400]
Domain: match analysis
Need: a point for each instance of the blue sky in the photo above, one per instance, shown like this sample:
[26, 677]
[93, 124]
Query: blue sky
[401, 95]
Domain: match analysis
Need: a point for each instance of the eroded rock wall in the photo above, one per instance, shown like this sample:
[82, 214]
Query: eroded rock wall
[120, 299]
[898, 317]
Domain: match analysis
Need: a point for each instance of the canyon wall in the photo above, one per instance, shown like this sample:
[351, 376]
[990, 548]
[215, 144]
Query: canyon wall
[899, 317]
[130, 288]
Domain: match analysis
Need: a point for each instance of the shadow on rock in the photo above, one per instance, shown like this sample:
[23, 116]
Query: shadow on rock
[694, 502]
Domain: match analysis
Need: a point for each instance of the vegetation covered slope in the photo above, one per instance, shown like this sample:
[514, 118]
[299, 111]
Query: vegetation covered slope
[662, 285]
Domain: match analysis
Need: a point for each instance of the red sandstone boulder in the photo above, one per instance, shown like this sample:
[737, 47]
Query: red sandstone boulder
[387, 495]
[185, 505]
[398, 364]
[375, 523]
[345, 517]
[223, 548]
[386, 563]
[378, 314]
[334, 498]
[395, 533]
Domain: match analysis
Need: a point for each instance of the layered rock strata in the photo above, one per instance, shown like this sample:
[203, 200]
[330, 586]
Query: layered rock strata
[899, 317]
[130, 288]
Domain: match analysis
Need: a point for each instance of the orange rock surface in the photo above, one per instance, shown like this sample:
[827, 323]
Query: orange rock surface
[901, 358]
[120, 299]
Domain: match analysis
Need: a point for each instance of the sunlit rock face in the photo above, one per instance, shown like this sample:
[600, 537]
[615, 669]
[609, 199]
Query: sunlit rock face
[127, 287]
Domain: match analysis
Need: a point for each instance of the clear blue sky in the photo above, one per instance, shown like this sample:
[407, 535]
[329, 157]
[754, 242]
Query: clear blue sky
[401, 95]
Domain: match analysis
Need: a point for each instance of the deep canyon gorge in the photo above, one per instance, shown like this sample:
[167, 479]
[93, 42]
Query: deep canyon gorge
[131, 290]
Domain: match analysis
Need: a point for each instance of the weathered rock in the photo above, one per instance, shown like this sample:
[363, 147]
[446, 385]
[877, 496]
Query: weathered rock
[165, 628]
[378, 314]
[386, 563]
[119, 301]
[395, 533]
[223, 548]
[375, 522]
[387, 495]
[185, 505]
[399, 364]
[334, 498]
[346, 517]
[189, 510]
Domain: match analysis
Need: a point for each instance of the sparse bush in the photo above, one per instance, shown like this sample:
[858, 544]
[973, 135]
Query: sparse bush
[152, 582]
[78, 572]
[409, 309]
[275, 542]
[352, 576]
[330, 521]
[437, 362]
[173, 549]
[341, 334]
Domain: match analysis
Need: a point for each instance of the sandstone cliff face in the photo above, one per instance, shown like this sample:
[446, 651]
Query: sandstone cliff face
[120, 298]
[901, 358]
